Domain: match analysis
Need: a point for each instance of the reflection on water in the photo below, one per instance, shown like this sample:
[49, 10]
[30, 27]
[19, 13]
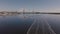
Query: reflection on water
[42, 24]
[14, 24]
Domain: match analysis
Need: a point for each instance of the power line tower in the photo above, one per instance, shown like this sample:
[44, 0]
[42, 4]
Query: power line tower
[24, 12]
[33, 11]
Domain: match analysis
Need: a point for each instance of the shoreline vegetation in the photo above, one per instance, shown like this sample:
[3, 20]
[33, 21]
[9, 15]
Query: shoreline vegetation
[15, 13]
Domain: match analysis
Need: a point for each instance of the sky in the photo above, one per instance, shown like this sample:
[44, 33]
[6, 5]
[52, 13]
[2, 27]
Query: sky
[43, 5]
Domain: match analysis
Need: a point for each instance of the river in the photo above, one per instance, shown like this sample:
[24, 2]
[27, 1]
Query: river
[23, 23]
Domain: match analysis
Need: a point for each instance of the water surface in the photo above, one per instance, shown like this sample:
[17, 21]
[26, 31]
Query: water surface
[21, 24]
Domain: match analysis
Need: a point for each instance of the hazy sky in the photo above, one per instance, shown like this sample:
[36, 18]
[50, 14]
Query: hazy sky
[30, 4]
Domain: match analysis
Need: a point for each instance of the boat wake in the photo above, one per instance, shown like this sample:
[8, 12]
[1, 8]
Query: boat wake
[40, 26]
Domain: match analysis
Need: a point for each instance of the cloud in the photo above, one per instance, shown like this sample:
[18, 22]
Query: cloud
[50, 10]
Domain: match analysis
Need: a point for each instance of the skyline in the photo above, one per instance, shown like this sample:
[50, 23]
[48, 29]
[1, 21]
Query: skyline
[42, 5]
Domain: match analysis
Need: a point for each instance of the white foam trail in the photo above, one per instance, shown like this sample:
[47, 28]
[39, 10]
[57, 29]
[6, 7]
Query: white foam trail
[40, 26]
[46, 22]
[33, 25]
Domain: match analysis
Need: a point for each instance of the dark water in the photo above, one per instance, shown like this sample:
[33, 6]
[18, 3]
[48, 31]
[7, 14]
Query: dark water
[14, 24]
[20, 24]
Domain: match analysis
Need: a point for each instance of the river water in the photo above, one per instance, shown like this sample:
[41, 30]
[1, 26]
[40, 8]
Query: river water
[23, 23]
